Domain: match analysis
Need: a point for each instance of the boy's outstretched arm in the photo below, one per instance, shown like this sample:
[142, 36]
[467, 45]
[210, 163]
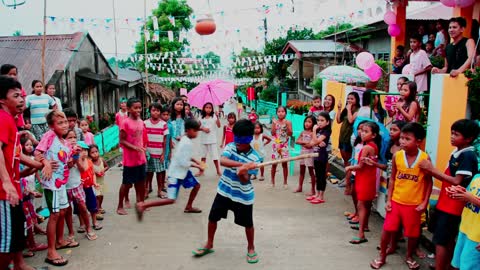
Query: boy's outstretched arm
[427, 166]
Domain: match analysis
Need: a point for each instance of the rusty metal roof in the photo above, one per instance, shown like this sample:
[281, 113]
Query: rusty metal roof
[25, 52]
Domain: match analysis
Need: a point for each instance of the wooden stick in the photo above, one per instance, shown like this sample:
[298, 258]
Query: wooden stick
[273, 162]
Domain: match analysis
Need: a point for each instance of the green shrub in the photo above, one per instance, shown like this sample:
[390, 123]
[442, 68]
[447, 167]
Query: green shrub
[269, 94]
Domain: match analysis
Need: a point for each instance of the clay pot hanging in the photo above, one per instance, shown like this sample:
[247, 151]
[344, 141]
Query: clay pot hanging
[205, 26]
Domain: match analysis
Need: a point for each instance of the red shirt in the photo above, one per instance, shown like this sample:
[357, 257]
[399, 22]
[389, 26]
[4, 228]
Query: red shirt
[253, 117]
[88, 175]
[11, 151]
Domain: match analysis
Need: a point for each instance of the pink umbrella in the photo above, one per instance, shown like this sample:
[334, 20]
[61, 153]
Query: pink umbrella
[216, 92]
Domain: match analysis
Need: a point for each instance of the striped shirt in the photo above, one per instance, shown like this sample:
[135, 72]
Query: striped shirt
[156, 134]
[39, 107]
[230, 185]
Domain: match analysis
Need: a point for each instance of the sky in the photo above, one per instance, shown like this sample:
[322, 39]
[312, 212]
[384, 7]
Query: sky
[238, 22]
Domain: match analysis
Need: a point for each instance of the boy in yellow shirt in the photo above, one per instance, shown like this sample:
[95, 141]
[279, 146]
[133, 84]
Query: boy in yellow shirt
[467, 250]
[408, 194]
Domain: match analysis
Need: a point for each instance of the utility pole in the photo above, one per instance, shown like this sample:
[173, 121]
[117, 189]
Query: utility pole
[265, 27]
[44, 41]
[145, 44]
[115, 35]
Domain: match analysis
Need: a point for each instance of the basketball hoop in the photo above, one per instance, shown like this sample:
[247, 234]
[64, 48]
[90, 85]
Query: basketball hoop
[13, 3]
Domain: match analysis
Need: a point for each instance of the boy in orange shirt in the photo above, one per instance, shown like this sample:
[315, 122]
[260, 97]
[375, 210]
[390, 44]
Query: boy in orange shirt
[408, 194]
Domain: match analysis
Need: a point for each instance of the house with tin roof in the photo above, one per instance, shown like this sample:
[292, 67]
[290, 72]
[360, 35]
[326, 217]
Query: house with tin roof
[311, 57]
[73, 62]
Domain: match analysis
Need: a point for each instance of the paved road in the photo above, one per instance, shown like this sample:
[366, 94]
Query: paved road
[290, 234]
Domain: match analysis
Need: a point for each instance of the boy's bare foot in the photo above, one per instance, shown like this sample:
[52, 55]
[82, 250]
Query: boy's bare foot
[420, 254]
[348, 190]
[199, 174]
[297, 190]
[127, 205]
[139, 209]
[122, 212]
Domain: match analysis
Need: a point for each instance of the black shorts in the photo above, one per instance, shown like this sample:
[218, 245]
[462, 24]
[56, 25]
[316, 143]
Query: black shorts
[132, 175]
[12, 229]
[243, 213]
[446, 228]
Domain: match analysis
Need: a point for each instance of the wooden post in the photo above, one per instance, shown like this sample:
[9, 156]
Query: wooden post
[466, 13]
[44, 40]
[401, 11]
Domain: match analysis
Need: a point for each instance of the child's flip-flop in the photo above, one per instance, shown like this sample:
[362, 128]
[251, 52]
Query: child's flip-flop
[60, 261]
[412, 264]
[377, 264]
[317, 201]
[357, 227]
[73, 244]
[252, 258]
[357, 240]
[200, 252]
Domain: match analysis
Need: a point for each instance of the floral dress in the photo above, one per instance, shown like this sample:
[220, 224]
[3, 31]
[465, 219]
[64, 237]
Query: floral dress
[280, 141]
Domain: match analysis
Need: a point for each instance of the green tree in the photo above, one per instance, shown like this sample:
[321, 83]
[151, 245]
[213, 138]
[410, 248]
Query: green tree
[176, 8]
[17, 33]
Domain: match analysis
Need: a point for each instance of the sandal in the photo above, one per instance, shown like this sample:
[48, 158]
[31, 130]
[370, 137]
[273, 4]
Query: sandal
[252, 258]
[28, 254]
[39, 247]
[357, 240]
[377, 264]
[97, 227]
[309, 198]
[91, 236]
[354, 220]
[351, 216]
[192, 210]
[412, 264]
[317, 201]
[81, 229]
[102, 211]
[357, 228]
[72, 244]
[60, 261]
[347, 214]
[200, 252]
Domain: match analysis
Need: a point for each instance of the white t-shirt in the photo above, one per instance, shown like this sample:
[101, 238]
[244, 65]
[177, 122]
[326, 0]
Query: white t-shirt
[74, 179]
[419, 61]
[365, 111]
[181, 159]
[210, 123]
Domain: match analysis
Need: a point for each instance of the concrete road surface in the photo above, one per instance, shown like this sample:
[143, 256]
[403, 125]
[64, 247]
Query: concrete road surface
[291, 233]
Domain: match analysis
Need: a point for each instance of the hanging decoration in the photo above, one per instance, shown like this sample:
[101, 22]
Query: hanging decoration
[364, 60]
[205, 26]
[13, 3]
[374, 72]
[394, 30]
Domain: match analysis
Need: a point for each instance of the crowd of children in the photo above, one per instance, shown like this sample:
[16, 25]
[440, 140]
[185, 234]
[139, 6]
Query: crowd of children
[65, 168]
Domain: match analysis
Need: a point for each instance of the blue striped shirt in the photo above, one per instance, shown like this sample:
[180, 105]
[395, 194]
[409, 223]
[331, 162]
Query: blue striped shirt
[230, 185]
[39, 107]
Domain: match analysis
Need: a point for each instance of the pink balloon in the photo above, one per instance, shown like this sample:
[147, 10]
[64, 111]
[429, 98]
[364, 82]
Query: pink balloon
[390, 18]
[364, 60]
[464, 3]
[394, 30]
[448, 3]
[374, 72]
